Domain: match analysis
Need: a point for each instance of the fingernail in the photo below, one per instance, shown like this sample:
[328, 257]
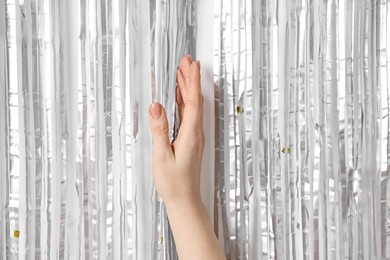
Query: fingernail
[197, 61]
[188, 56]
[155, 110]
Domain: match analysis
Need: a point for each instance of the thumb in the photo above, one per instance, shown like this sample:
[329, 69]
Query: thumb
[160, 129]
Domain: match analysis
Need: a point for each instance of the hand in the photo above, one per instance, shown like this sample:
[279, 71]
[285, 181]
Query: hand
[176, 167]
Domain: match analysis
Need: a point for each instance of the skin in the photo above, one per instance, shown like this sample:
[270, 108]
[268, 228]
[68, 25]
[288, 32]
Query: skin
[176, 168]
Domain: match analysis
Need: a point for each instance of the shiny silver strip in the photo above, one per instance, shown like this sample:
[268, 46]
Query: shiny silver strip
[131, 127]
[383, 122]
[39, 119]
[4, 134]
[27, 181]
[83, 134]
[106, 100]
[90, 80]
[13, 197]
[120, 79]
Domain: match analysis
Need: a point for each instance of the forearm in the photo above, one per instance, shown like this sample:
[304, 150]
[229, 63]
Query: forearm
[193, 233]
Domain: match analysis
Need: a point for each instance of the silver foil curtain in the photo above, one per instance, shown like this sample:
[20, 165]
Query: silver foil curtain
[302, 147]
[76, 81]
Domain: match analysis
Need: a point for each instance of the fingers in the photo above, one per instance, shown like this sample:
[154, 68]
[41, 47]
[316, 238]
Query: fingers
[194, 89]
[182, 84]
[160, 130]
[188, 78]
[194, 103]
[185, 65]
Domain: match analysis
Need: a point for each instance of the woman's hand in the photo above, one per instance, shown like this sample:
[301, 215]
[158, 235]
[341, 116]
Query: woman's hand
[176, 168]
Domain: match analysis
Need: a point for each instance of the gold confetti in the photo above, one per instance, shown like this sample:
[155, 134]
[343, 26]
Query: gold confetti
[286, 150]
[239, 110]
[16, 233]
[161, 240]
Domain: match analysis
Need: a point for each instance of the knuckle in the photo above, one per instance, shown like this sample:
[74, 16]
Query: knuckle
[196, 102]
[191, 103]
[182, 87]
[160, 158]
[196, 140]
[160, 130]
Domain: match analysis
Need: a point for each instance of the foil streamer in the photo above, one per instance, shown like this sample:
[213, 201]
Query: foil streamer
[303, 144]
[4, 122]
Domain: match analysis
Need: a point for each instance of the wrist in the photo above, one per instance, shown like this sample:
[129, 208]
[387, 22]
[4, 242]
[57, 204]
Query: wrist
[188, 205]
